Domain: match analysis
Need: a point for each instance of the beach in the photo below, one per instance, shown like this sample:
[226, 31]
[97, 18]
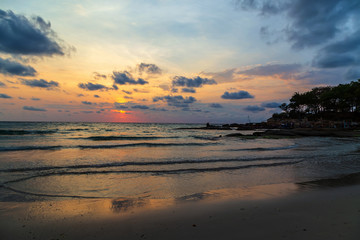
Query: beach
[174, 181]
[322, 213]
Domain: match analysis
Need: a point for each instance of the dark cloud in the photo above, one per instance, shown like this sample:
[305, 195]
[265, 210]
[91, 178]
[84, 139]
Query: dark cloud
[188, 90]
[148, 68]
[2, 84]
[20, 35]
[125, 77]
[140, 107]
[120, 106]
[352, 74]
[236, 95]
[86, 103]
[271, 105]
[317, 22]
[127, 92]
[180, 81]
[343, 53]
[215, 105]
[98, 76]
[9, 67]
[87, 112]
[92, 86]
[159, 109]
[311, 22]
[332, 25]
[281, 70]
[176, 101]
[41, 83]
[35, 99]
[254, 109]
[3, 95]
[97, 96]
[140, 90]
[29, 108]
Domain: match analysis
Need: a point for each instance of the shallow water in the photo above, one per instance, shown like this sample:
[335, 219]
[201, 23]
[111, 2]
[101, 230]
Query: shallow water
[156, 161]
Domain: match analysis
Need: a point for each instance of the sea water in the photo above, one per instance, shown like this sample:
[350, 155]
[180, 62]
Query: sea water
[156, 161]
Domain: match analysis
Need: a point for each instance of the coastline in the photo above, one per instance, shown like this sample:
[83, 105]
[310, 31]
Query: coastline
[313, 210]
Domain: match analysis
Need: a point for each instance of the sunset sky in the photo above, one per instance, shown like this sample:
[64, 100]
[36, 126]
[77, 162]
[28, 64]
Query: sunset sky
[170, 61]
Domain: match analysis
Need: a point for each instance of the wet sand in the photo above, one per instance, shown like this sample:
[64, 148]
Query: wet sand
[322, 212]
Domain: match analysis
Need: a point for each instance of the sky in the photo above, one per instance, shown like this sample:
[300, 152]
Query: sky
[183, 61]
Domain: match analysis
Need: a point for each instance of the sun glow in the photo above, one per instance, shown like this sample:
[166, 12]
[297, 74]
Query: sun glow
[120, 111]
[121, 100]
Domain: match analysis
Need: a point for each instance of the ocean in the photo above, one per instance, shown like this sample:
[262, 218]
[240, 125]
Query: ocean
[157, 161]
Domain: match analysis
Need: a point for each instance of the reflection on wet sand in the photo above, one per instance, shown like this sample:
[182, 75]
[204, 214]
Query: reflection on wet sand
[343, 180]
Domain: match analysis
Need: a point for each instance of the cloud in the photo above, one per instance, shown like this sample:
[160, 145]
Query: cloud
[254, 109]
[180, 81]
[188, 90]
[330, 76]
[3, 95]
[98, 76]
[125, 77]
[159, 109]
[20, 35]
[86, 103]
[176, 101]
[271, 105]
[41, 83]
[2, 84]
[92, 86]
[236, 95]
[149, 68]
[29, 108]
[87, 112]
[215, 105]
[140, 107]
[35, 99]
[281, 70]
[9, 67]
[343, 53]
[164, 87]
[120, 106]
[223, 76]
[96, 96]
[311, 24]
[331, 26]
[127, 92]
[352, 74]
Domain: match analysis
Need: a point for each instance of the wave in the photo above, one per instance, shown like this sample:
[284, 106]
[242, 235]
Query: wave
[29, 148]
[264, 149]
[112, 138]
[27, 132]
[207, 138]
[163, 171]
[123, 164]
[77, 129]
[143, 144]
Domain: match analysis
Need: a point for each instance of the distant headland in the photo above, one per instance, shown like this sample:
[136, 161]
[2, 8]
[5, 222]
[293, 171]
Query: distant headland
[323, 111]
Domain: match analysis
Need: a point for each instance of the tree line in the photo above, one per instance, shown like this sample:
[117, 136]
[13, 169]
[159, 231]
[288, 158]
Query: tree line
[340, 102]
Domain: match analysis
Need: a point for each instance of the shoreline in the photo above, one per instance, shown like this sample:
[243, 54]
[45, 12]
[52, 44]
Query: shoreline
[321, 209]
